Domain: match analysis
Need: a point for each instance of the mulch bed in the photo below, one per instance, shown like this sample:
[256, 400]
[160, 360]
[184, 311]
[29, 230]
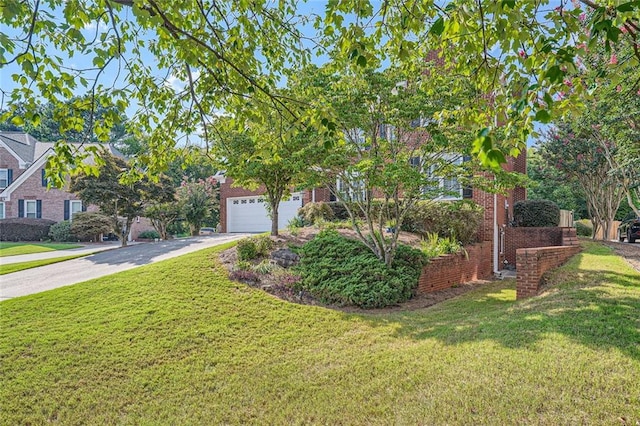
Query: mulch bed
[270, 284]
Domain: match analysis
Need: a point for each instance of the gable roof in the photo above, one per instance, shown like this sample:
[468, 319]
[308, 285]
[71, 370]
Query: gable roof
[37, 152]
[21, 145]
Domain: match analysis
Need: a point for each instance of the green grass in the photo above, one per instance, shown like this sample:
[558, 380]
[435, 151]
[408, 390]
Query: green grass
[14, 249]
[15, 267]
[177, 343]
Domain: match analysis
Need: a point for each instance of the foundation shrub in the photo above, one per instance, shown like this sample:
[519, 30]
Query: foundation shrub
[342, 271]
[61, 231]
[25, 229]
[536, 213]
[448, 219]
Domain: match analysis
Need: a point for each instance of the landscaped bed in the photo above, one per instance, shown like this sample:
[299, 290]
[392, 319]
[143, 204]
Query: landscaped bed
[176, 342]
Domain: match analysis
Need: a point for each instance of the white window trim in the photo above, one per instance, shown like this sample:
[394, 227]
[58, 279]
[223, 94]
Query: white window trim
[6, 178]
[71, 212]
[458, 159]
[27, 203]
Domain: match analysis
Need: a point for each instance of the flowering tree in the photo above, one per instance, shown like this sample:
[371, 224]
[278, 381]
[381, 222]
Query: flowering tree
[197, 199]
[574, 150]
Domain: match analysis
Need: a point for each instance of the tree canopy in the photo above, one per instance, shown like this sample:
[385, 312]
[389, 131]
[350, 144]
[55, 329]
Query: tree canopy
[231, 56]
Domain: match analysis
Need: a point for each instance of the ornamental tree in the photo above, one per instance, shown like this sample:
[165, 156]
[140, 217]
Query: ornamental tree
[121, 202]
[572, 149]
[197, 199]
[389, 149]
[269, 152]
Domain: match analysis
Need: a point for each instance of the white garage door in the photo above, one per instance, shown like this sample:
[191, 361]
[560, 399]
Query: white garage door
[249, 214]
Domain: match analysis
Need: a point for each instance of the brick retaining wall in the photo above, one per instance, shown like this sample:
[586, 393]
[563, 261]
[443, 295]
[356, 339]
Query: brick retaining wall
[532, 263]
[446, 271]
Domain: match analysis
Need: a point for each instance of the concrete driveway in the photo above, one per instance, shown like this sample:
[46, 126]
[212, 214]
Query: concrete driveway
[107, 262]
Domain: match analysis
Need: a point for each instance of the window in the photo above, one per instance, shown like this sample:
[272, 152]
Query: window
[441, 186]
[74, 207]
[4, 178]
[1, 210]
[30, 209]
[352, 188]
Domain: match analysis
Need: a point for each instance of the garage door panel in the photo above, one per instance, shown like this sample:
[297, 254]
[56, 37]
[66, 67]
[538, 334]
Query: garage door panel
[249, 214]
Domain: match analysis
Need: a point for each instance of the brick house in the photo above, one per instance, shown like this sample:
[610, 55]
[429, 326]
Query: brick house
[243, 210]
[23, 186]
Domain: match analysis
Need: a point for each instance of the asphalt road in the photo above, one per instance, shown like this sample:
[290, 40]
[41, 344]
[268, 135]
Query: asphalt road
[107, 262]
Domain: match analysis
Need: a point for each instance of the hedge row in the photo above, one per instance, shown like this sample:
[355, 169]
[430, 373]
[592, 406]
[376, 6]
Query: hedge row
[24, 229]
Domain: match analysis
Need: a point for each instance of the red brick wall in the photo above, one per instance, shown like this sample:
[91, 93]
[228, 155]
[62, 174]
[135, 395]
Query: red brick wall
[32, 189]
[8, 161]
[140, 225]
[446, 271]
[532, 263]
[518, 238]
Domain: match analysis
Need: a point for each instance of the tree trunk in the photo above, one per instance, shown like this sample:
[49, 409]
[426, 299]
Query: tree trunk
[274, 218]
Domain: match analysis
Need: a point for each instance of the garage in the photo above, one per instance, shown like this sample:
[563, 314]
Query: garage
[249, 214]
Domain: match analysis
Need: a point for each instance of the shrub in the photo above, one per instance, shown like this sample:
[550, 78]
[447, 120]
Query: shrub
[294, 225]
[434, 245]
[247, 249]
[312, 212]
[584, 228]
[266, 267]
[24, 229]
[339, 270]
[61, 231]
[338, 210]
[88, 226]
[264, 245]
[149, 234]
[457, 219]
[536, 213]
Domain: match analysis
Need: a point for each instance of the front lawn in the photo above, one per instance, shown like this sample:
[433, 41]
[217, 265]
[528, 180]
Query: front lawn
[15, 267]
[178, 343]
[14, 249]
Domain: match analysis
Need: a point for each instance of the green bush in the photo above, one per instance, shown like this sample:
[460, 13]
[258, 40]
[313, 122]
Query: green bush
[61, 231]
[448, 219]
[584, 228]
[312, 212]
[254, 247]
[536, 213]
[88, 226]
[24, 229]
[264, 245]
[149, 234]
[247, 249]
[339, 211]
[339, 270]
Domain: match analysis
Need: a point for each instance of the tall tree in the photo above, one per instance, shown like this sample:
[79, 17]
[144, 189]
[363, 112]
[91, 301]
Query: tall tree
[572, 148]
[390, 149]
[550, 183]
[197, 199]
[122, 202]
[269, 152]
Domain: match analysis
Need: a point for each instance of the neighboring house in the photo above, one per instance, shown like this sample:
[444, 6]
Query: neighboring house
[242, 210]
[23, 186]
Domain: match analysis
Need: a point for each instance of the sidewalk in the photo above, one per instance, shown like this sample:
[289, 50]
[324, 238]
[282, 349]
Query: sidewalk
[85, 249]
[106, 262]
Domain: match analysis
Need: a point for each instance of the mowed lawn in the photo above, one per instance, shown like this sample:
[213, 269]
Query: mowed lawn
[13, 249]
[177, 343]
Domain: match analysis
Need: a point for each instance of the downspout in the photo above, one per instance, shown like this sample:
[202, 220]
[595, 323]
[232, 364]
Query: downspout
[496, 235]
[313, 195]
